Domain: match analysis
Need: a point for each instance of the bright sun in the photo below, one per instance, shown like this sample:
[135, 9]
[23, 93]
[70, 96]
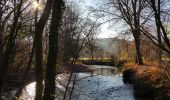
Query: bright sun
[35, 4]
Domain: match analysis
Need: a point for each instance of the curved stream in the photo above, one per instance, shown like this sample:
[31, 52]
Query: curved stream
[105, 83]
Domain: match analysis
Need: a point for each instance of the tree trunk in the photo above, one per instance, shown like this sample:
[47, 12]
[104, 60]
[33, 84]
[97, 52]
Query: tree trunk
[38, 50]
[1, 45]
[92, 55]
[159, 34]
[49, 92]
[38, 65]
[137, 44]
[4, 64]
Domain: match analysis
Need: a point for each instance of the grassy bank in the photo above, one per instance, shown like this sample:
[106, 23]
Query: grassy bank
[148, 81]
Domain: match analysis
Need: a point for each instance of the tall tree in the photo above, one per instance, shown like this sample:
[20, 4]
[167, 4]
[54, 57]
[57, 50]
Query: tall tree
[3, 20]
[58, 9]
[161, 39]
[4, 64]
[130, 12]
[39, 27]
[158, 16]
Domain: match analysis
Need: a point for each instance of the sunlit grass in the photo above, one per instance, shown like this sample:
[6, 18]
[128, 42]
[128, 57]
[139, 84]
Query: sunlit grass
[145, 71]
[165, 59]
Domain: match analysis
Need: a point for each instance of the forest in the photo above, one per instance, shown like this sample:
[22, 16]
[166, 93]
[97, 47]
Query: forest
[51, 50]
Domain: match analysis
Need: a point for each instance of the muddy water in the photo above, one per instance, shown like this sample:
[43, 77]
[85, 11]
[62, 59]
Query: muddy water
[105, 83]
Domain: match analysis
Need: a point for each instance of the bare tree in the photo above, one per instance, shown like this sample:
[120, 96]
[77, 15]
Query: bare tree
[76, 31]
[4, 64]
[38, 49]
[58, 9]
[131, 13]
[5, 13]
[161, 39]
[91, 41]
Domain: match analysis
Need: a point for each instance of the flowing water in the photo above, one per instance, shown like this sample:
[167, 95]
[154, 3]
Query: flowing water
[105, 83]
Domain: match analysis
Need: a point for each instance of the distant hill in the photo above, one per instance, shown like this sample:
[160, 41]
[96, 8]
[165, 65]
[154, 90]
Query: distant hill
[109, 45]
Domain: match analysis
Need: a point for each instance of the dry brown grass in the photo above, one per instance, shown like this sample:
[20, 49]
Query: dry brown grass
[146, 72]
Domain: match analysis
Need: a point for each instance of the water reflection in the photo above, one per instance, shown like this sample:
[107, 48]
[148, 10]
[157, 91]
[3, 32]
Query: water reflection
[103, 83]
[104, 71]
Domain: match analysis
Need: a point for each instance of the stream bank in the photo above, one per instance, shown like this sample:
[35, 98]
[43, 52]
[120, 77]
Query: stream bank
[148, 84]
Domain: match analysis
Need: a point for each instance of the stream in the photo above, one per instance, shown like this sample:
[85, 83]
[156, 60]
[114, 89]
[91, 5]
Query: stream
[105, 83]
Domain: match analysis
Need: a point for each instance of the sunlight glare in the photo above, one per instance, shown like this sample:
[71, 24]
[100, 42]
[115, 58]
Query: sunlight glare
[35, 4]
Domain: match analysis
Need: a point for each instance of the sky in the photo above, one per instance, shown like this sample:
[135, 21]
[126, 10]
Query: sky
[105, 32]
